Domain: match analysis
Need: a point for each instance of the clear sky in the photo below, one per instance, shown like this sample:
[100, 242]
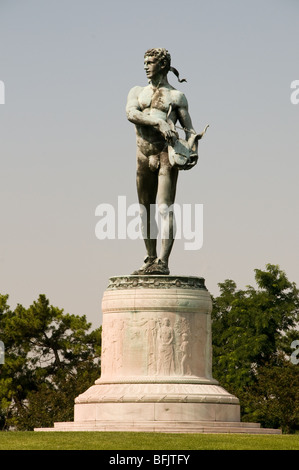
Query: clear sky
[66, 145]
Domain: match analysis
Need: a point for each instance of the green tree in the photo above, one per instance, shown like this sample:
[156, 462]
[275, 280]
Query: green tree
[50, 358]
[251, 328]
[273, 398]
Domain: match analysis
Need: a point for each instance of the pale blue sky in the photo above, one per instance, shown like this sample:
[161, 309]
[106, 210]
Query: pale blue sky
[66, 145]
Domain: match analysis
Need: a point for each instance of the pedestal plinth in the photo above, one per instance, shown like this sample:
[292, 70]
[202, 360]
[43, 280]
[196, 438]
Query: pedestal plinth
[157, 363]
[156, 358]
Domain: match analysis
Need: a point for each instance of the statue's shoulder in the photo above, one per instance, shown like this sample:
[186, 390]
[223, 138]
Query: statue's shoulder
[178, 97]
[136, 90]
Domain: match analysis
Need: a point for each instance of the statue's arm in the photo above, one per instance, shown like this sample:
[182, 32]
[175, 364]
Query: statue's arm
[137, 117]
[134, 114]
[184, 116]
[186, 122]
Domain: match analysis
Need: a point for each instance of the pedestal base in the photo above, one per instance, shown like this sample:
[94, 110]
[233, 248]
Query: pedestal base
[167, 408]
[157, 363]
[191, 427]
[154, 402]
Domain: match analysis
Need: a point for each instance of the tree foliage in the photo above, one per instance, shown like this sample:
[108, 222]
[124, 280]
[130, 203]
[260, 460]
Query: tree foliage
[252, 334]
[50, 358]
[273, 397]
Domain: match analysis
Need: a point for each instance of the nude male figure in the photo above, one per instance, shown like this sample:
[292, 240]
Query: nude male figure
[154, 110]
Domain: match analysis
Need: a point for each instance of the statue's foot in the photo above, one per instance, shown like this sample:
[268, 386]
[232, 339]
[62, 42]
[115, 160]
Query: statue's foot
[158, 267]
[148, 261]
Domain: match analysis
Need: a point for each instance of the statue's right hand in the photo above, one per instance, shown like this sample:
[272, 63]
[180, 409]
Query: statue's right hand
[167, 131]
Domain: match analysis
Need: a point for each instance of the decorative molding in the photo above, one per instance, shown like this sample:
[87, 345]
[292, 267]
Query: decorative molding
[156, 282]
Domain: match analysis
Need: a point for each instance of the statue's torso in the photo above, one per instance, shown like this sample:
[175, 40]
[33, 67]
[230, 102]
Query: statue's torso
[155, 103]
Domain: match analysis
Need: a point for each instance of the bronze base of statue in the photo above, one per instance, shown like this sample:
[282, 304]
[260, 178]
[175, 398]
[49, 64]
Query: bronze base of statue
[152, 266]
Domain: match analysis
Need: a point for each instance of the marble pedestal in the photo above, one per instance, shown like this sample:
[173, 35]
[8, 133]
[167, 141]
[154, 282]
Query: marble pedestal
[156, 355]
[156, 367]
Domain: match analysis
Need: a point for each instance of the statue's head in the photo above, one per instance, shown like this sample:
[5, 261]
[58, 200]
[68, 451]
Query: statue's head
[163, 59]
[162, 56]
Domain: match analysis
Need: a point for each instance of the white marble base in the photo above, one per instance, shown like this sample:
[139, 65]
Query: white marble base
[157, 363]
[178, 402]
[210, 427]
[155, 412]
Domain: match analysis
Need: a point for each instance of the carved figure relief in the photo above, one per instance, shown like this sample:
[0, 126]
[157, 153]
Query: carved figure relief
[166, 359]
[185, 350]
[112, 346]
[156, 346]
[152, 355]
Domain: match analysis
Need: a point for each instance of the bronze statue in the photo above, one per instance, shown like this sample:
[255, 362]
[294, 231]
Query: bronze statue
[155, 110]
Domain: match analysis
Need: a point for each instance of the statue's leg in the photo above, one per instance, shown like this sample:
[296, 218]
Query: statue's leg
[167, 181]
[147, 186]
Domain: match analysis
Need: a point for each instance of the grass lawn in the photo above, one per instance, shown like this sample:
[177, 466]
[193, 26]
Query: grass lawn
[144, 441]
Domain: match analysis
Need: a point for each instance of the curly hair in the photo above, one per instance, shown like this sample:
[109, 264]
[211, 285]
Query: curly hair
[163, 55]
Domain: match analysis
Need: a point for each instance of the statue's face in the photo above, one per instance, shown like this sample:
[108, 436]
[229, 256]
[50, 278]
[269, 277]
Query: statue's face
[152, 67]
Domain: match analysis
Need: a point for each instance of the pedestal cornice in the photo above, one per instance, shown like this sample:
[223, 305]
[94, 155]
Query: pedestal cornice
[156, 282]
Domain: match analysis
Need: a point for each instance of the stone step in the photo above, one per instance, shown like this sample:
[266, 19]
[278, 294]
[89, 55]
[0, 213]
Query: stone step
[164, 426]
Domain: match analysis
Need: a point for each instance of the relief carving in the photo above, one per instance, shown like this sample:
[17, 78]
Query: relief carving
[112, 346]
[152, 356]
[157, 346]
[156, 282]
[166, 359]
[185, 350]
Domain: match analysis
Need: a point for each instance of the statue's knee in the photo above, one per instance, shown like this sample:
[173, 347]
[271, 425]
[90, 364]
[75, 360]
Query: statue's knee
[142, 211]
[164, 210]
